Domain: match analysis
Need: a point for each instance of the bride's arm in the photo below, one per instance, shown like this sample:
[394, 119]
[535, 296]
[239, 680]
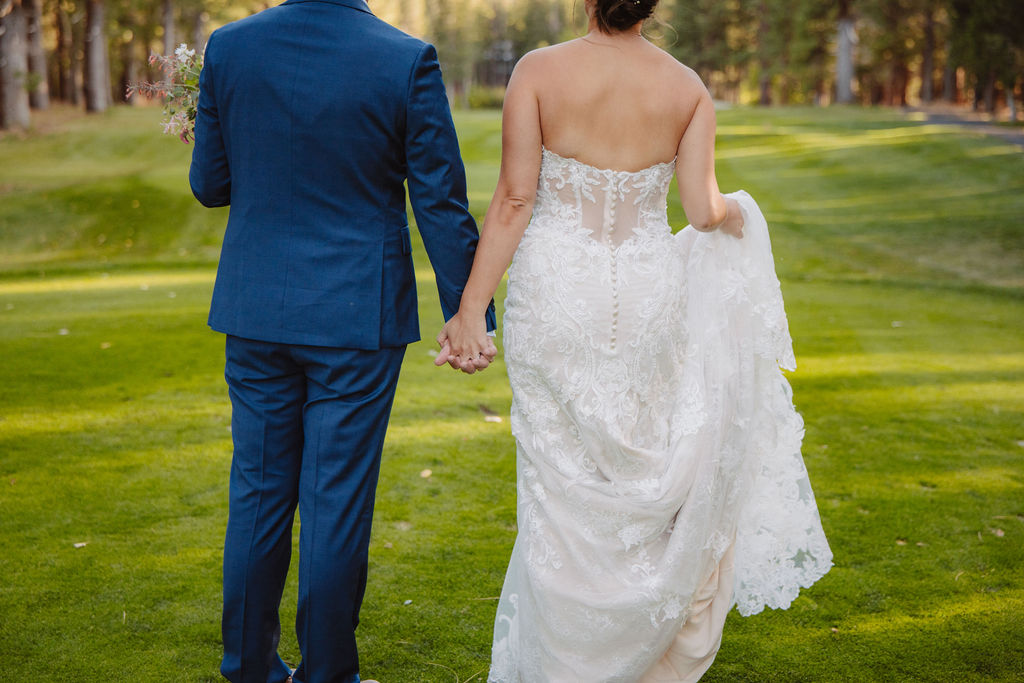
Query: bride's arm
[705, 207]
[464, 340]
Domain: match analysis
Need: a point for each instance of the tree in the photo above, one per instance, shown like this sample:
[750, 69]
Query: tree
[97, 64]
[14, 106]
[715, 38]
[989, 44]
[846, 38]
[928, 53]
[168, 21]
[62, 55]
[38, 85]
[891, 36]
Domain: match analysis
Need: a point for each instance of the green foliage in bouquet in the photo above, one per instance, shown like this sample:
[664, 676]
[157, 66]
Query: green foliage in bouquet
[180, 90]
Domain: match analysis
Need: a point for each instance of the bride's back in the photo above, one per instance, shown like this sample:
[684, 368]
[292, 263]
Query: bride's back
[618, 103]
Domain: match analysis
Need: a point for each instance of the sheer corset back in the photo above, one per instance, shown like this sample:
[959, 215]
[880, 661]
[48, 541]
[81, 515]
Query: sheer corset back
[612, 206]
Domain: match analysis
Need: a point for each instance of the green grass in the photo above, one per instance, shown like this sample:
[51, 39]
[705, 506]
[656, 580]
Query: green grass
[901, 251]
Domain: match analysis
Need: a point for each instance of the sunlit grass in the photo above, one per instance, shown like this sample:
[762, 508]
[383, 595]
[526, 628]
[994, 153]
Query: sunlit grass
[901, 250]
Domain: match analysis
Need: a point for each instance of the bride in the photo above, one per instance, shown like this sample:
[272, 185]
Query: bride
[660, 480]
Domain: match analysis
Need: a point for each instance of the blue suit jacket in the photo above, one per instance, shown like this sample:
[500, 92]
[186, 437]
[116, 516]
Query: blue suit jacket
[312, 116]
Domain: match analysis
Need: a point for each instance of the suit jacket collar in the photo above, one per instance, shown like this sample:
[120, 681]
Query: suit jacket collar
[354, 4]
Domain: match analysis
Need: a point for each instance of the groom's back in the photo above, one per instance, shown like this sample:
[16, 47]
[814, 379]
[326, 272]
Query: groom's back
[312, 101]
[312, 117]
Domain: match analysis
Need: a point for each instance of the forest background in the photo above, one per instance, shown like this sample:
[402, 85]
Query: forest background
[873, 52]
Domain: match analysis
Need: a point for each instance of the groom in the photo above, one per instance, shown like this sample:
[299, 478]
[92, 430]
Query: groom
[311, 117]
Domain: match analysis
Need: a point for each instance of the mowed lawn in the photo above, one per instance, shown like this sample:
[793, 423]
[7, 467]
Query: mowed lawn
[901, 252]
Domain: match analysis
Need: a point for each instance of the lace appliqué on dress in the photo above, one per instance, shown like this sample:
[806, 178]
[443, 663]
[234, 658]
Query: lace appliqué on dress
[654, 428]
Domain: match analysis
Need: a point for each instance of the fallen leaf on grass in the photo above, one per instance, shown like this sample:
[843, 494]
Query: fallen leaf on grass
[105, 345]
[835, 629]
[63, 331]
[998, 532]
[492, 418]
[81, 545]
[407, 602]
[426, 474]
[901, 541]
[387, 544]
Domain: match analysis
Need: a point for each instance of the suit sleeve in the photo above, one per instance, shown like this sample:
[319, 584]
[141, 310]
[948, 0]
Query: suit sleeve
[437, 184]
[209, 175]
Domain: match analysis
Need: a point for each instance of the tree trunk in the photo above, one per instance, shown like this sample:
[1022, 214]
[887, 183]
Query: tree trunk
[765, 80]
[199, 32]
[145, 34]
[97, 66]
[990, 92]
[39, 93]
[555, 21]
[902, 81]
[168, 11]
[949, 82]
[14, 109]
[765, 87]
[928, 57]
[845, 40]
[129, 74]
[62, 55]
[1011, 100]
[76, 63]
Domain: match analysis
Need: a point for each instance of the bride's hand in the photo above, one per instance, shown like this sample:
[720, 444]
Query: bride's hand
[465, 344]
[733, 223]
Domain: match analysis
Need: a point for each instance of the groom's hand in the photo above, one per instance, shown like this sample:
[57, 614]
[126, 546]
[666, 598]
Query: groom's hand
[458, 362]
[468, 365]
[465, 349]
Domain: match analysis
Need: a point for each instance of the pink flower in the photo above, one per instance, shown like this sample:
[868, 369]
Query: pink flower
[179, 90]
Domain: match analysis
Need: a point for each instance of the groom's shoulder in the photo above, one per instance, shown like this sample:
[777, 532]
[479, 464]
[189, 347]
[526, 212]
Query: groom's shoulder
[369, 29]
[397, 39]
[245, 28]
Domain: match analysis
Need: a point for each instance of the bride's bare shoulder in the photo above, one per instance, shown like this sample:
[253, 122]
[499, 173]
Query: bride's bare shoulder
[680, 74]
[544, 58]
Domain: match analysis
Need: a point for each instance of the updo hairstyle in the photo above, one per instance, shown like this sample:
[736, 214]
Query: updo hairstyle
[618, 15]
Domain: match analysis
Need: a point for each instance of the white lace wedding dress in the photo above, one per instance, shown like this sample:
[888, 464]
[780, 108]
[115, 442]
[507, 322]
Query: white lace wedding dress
[660, 479]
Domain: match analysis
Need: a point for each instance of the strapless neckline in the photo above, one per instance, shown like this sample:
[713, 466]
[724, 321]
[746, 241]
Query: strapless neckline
[606, 171]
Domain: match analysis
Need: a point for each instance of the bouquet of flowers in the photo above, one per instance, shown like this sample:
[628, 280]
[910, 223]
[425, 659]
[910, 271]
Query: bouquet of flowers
[180, 90]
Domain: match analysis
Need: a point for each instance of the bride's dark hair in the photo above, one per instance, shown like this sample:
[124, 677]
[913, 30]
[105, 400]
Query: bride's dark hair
[618, 15]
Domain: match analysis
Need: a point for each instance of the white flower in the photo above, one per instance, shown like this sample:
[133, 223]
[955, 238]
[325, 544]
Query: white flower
[183, 53]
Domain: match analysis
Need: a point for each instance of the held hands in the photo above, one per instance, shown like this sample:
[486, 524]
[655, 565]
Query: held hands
[465, 344]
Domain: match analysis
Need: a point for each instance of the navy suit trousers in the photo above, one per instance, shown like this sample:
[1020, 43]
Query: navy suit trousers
[308, 426]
